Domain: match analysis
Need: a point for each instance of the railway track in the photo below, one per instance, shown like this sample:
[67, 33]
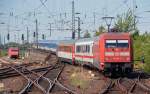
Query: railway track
[45, 81]
[37, 80]
[111, 87]
[125, 86]
[52, 76]
[9, 72]
[31, 77]
[138, 87]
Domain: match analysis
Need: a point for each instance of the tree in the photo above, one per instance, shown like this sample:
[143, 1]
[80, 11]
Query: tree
[126, 22]
[101, 29]
[135, 34]
[87, 35]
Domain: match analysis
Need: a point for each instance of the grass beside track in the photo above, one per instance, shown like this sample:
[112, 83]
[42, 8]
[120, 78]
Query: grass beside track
[79, 78]
[3, 52]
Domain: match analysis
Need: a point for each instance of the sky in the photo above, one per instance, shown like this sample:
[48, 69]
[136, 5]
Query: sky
[17, 15]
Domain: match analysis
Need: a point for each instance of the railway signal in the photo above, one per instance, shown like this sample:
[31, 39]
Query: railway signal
[22, 37]
[34, 34]
[50, 29]
[43, 36]
[8, 36]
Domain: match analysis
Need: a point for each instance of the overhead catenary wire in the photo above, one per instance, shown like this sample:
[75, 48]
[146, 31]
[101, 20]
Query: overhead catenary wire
[119, 7]
[45, 6]
[88, 20]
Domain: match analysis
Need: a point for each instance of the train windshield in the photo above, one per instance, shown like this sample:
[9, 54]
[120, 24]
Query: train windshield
[111, 43]
[15, 50]
[116, 43]
[122, 43]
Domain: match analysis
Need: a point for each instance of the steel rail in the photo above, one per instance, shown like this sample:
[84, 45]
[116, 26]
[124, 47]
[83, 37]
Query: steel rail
[29, 80]
[108, 87]
[23, 91]
[121, 87]
[134, 84]
[39, 76]
[62, 86]
[14, 73]
[56, 82]
[51, 84]
[138, 83]
[10, 70]
[50, 88]
[28, 86]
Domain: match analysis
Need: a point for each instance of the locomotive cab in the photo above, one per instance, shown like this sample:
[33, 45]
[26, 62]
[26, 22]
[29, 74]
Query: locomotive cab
[118, 54]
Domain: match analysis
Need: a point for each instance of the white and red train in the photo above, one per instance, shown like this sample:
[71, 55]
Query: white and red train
[109, 52]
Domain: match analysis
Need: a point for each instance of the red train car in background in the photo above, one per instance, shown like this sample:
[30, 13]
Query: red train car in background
[13, 52]
[109, 52]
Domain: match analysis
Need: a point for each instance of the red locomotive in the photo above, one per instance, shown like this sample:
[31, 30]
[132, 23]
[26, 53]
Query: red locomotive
[109, 52]
[13, 52]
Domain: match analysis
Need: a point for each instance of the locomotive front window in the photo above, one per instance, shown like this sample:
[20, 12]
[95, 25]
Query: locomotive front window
[117, 43]
[15, 50]
[122, 43]
[111, 43]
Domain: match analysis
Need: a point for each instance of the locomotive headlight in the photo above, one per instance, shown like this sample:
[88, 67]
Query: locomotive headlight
[124, 53]
[109, 53]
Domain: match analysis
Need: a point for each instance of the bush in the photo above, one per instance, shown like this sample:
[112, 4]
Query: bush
[142, 47]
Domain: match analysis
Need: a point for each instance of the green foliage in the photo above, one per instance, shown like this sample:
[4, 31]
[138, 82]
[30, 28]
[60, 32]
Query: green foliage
[142, 47]
[3, 52]
[87, 35]
[125, 22]
[135, 34]
[100, 31]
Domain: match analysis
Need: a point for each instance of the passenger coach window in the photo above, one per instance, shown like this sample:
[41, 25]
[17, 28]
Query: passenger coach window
[78, 49]
[122, 43]
[83, 49]
[88, 48]
[111, 43]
